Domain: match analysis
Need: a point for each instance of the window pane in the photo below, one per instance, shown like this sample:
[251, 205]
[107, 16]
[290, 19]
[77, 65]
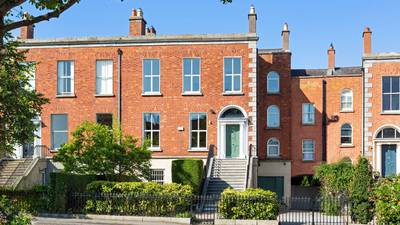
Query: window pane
[156, 67]
[186, 83]
[345, 140]
[395, 84]
[228, 83]
[203, 140]
[156, 121]
[147, 136]
[193, 140]
[196, 83]
[59, 122]
[237, 65]
[147, 121]
[388, 133]
[203, 121]
[237, 83]
[156, 84]
[147, 67]
[395, 102]
[386, 102]
[196, 66]
[194, 121]
[228, 65]
[156, 139]
[59, 138]
[386, 84]
[147, 84]
[104, 119]
[187, 66]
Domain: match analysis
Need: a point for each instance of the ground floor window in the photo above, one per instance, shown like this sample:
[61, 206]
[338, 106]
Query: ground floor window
[198, 130]
[59, 130]
[157, 175]
[151, 123]
[104, 119]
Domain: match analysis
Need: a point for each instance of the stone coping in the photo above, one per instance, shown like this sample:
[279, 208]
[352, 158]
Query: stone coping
[245, 222]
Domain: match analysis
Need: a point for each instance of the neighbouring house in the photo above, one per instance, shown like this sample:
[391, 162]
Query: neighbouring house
[254, 120]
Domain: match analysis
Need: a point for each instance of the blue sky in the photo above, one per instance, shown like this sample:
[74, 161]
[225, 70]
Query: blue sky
[314, 24]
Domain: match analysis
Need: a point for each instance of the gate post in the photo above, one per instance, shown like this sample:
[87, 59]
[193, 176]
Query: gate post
[312, 210]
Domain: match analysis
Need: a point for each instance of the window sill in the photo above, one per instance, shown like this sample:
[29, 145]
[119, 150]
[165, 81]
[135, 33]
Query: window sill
[347, 146]
[347, 111]
[192, 94]
[308, 161]
[390, 113]
[273, 157]
[155, 149]
[104, 95]
[66, 96]
[272, 128]
[151, 94]
[273, 93]
[53, 150]
[307, 124]
[198, 150]
[233, 93]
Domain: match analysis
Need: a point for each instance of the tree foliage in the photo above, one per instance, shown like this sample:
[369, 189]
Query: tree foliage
[387, 200]
[19, 103]
[96, 149]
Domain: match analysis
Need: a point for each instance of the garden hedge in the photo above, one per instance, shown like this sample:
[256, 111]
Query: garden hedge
[138, 198]
[387, 200]
[32, 201]
[188, 172]
[254, 204]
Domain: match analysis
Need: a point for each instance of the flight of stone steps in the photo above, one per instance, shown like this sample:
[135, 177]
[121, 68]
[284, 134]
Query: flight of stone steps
[11, 170]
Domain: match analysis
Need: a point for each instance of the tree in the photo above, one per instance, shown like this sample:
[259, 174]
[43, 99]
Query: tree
[360, 192]
[97, 149]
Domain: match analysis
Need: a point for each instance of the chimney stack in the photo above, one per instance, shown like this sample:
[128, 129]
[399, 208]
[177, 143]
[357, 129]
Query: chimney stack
[252, 19]
[27, 32]
[285, 37]
[331, 58]
[367, 40]
[137, 24]
[151, 31]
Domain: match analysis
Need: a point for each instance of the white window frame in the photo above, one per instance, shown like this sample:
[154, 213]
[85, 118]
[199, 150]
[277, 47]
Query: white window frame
[104, 77]
[351, 134]
[346, 100]
[151, 76]
[191, 75]
[152, 131]
[308, 113]
[269, 78]
[52, 131]
[390, 94]
[198, 148]
[309, 152]
[233, 75]
[269, 155]
[71, 77]
[269, 114]
[155, 174]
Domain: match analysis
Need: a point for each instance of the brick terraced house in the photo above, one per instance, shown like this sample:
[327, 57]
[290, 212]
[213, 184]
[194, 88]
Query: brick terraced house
[254, 120]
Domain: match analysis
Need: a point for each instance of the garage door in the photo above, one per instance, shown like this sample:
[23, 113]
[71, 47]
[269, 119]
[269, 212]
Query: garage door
[274, 184]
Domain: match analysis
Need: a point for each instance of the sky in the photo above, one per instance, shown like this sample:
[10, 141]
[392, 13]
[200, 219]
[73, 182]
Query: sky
[314, 24]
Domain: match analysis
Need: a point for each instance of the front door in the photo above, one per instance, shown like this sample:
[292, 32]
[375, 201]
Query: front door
[388, 160]
[232, 140]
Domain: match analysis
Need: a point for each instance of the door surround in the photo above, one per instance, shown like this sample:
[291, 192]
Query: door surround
[377, 148]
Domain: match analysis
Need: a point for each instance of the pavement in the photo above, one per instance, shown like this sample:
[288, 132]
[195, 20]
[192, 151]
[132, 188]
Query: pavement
[63, 221]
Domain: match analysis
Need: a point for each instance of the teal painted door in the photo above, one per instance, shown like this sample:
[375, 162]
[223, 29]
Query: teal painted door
[389, 166]
[274, 184]
[232, 141]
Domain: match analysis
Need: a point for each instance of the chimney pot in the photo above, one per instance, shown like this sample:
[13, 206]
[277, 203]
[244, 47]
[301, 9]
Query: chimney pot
[331, 58]
[252, 19]
[27, 32]
[367, 36]
[285, 37]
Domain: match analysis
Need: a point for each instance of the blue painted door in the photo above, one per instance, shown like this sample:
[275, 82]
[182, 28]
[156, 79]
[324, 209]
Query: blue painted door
[389, 166]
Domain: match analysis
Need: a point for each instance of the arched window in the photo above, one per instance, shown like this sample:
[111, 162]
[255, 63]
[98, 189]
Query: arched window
[232, 113]
[346, 100]
[273, 118]
[388, 133]
[273, 82]
[273, 147]
[346, 133]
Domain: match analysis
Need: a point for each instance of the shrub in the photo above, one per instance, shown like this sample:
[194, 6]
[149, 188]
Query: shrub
[387, 198]
[188, 172]
[360, 188]
[32, 201]
[254, 204]
[138, 198]
[12, 215]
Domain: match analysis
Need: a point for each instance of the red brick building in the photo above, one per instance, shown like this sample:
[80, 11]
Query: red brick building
[188, 93]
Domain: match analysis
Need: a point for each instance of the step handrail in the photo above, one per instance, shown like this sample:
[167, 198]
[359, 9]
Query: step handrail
[249, 167]
[208, 169]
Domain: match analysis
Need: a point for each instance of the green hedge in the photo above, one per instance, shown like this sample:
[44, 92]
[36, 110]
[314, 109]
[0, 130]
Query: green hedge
[32, 201]
[138, 198]
[188, 172]
[387, 200]
[255, 204]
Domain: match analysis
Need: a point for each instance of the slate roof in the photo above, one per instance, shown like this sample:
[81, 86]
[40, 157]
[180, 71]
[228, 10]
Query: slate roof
[354, 70]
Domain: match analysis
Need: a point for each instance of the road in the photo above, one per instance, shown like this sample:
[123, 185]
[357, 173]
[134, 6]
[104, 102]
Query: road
[59, 221]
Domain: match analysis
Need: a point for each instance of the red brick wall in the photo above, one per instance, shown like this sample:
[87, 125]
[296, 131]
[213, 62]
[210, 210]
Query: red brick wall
[173, 107]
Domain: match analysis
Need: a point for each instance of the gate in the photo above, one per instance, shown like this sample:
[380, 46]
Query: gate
[205, 209]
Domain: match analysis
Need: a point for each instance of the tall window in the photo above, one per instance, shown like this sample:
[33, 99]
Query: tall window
[390, 93]
[232, 75]
[308, 113]
[308, 149]
[273, 117]
[151, 123]
[198, 130]
[346, 100]
[191, 75]
[104, 77]
[65, 78]
[104, 119]
[151, 76]
[59, 130]
[273, 147]
[273, 82]
[346, 134]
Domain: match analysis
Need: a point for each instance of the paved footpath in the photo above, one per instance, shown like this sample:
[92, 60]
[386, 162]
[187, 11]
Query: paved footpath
[59, 221]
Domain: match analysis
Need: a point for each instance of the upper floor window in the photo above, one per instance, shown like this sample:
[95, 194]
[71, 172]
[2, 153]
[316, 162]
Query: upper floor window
[104, 77]
[191, 75]
[151, 76]
[273, 82]
[232, 74]
[59, 130]
[198, 130]
[105, 119]
[273, 147]
[273, 117]
[390, 93]
[346, 100]
[151, 131]
[308, 149]
[65, 78]
[308, 113]
[346, 134]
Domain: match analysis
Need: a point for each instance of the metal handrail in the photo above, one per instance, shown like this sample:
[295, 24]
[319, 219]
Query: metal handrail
[208, 169]
[249, 166]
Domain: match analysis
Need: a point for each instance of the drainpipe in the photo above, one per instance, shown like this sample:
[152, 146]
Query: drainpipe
[119, 87]
[324, 120]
